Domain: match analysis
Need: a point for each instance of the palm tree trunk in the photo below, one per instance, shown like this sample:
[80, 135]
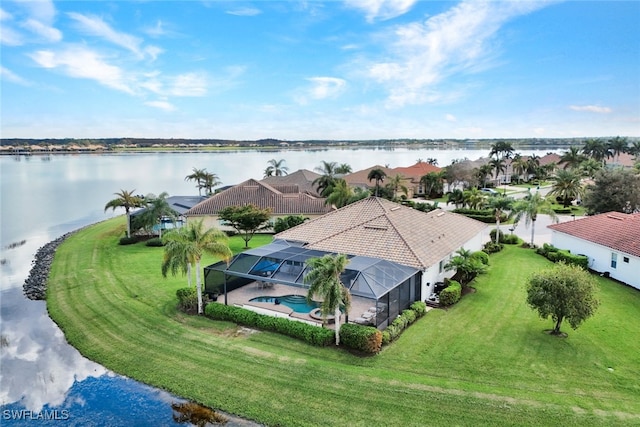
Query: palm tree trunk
[189, 274]
[533, 227]
[128, 223]
[198, 287]
[497, 229]
[337, 323]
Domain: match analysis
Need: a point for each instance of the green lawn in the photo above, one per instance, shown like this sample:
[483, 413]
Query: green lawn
[485, 361]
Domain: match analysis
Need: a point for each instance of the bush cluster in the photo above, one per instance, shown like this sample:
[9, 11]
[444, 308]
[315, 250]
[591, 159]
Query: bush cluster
[302, 331]
[562, 210]
[451, 294]
[481, 256]
[400, 323]
[492, 247]
[187, 299]
[509, 239]
[156, 241]
[556, 255]
[128, 240]
[484, 215]
[363, 338]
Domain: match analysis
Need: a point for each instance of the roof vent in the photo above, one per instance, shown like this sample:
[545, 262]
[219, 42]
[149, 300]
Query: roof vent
[375, 227]
[440, 214]
[395, 208]
[615, 217]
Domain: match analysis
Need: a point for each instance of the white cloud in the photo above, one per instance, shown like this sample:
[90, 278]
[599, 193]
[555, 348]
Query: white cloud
[41, 10]
[47, 32]
[450, 118]
[162, 105]
[98, 27]
[423, 54]
[245, 11]
[381, 10]
[591, 108]
[4, 15]
[81, 62]
[325, 87]
[188, 84]
[10, 76]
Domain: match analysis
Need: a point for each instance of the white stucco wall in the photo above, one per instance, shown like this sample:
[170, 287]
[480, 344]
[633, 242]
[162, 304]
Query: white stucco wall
[600, 258]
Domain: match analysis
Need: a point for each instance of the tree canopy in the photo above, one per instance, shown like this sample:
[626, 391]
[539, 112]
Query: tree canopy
[613, 190]
[127, 200]
[246, 220]
[563, 292]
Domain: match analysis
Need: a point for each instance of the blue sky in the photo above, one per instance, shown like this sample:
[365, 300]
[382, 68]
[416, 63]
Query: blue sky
[298, 70]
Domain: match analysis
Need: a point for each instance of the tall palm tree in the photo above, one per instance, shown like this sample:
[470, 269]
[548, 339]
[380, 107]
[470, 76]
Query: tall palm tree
[590, 167]
[198, 175]
[634, 150]
[157, 208]
[596, 149]
[618, 145]
[530, 207]
[568, 186]
[323, 279]
[474, 198]
[483, 172]
[341, 194]
[519, 166]
[126, 200]
[343, 169]
[396, 183]
[571, 159]
[325, 182]
[209, 180]
[276, 168]
[499, 205]
[456, 197]
[533, 166]
[188, 244]
[501, 150]
[499, 166]
[378, 175]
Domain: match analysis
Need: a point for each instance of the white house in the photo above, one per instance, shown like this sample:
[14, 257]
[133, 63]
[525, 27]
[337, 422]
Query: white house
[610, 240]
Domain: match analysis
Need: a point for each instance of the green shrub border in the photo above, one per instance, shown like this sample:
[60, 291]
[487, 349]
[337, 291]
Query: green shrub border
[403, 321]
[451, 294]
[554, 254]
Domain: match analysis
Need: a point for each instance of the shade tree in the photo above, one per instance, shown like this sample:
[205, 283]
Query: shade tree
[247, 220]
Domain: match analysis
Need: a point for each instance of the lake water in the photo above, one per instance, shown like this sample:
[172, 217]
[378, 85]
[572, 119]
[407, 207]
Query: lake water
[43, 197]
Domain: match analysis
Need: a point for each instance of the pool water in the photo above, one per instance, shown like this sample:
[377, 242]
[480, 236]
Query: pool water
[297, 303]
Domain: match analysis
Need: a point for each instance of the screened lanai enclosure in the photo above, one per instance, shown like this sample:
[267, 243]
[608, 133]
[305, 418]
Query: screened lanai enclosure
[385, 285]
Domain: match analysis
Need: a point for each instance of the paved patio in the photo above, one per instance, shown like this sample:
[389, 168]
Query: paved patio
[241, 297]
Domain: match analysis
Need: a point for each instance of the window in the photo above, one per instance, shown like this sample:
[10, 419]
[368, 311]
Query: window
[614, 259]
[441, 267]
[625, 259]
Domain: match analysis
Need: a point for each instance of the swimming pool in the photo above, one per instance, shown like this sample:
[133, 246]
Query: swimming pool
[297, 303]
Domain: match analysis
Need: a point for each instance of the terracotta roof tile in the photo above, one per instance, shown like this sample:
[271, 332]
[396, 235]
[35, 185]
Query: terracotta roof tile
[264, 196]
[379, 228]
[614, 230]
[302, 178]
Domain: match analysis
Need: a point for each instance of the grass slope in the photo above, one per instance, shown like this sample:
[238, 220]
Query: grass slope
[485, 361]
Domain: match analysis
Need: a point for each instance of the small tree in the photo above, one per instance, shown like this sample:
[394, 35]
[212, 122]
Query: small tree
[563, 292]
[466, 266]
[127, 200]
[246, 220]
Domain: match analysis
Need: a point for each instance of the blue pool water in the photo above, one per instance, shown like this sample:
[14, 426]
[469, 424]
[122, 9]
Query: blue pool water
[297, 303]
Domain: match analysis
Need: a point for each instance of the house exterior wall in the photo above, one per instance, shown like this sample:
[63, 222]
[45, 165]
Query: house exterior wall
[437, 273]
[600, 258]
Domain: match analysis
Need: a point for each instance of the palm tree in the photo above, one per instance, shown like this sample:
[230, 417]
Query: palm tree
[634, 150]
[502, 150]
[341, 194]
[324, 281]
[499, 166]
[466, 266]
[530, 207]
[590, 167]
[499, 205]
[157, 208]
[533, 166]
[188, 244]
[519, 166]
[125, 200]
[396, 183]
[209, 181]
[568, 186]
[456, 197]
[618, 145]
[473, 198]
[343, 169]
[483, 172]
[198, 176]
[596, 149]
[276, 168]
[326, 181]
[572, 158]
[378, 175]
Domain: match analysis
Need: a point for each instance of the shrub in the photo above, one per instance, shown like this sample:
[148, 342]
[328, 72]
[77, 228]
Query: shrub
[511, 239]
[492, 234]
[562, 210]
[187, 300]
[308, 333]
[420, 308]
[128, 240]
[363, 338]
[554, 254]
[492, 247]
[386, 337]
[451, 294]
[400, 323]
[156, 241]
[481, 256]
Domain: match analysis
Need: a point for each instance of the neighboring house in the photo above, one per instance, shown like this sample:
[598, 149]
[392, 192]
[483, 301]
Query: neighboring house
[396, 253]
[414, 174]
[180, 205]
[610, 240]
[360, 178]
[303, 178]
[283, 200]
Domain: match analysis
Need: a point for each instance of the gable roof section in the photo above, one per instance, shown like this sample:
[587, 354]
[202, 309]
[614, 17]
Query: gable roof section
[378, 228]
[615, 230]
[359, 178]
[301, 178]
[416, 171]
[264, 196]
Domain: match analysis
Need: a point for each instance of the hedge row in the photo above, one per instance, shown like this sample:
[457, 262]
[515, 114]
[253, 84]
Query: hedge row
[556, 255]
[311, 334]
[400, 323]
[451, 294]
[509, 239]
[364, 338]
[484, 215]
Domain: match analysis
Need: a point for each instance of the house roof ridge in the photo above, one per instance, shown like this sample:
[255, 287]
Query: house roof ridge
[404, 240]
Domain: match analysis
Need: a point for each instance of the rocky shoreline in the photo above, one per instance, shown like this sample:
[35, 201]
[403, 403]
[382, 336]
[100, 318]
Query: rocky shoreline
[35, 286]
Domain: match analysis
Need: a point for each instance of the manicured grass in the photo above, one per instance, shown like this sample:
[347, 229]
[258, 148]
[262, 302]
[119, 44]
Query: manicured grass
[485, 361]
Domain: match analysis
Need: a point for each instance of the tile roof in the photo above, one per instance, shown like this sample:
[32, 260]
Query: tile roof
[303, 178]
[615, 230]
[379, 228]
[416, 171]
[359, 178]
[264, 196]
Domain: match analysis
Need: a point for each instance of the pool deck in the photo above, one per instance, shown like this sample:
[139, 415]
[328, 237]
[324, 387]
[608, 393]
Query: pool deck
[241, 297]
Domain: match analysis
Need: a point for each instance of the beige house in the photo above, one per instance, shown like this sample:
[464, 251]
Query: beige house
[283, 200]
[410, 175]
